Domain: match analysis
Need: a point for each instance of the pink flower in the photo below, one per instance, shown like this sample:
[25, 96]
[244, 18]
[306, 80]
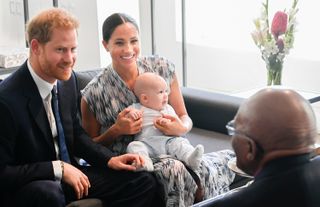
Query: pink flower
[279, 24]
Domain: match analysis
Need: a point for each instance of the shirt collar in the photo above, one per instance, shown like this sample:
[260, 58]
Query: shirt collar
[43, 86]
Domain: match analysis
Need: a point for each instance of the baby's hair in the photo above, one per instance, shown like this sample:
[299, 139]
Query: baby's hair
[146, 81]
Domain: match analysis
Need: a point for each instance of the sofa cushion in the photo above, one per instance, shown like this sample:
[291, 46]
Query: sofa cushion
[212, 141]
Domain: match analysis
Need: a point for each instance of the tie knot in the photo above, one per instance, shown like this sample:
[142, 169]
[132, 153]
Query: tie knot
[54, 91]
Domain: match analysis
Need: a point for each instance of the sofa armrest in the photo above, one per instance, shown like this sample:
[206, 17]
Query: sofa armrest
[210, 110]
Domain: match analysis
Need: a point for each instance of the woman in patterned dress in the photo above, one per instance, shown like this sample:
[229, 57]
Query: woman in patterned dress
[104, 108]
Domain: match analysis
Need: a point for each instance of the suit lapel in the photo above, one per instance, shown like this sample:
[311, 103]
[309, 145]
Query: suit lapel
[39, 114]
[36, 108]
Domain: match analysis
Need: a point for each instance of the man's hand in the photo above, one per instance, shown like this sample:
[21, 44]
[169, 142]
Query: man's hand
[130, 162]
[77, 180]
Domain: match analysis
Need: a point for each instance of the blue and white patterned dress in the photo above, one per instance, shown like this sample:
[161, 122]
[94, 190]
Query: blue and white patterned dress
[107, 95]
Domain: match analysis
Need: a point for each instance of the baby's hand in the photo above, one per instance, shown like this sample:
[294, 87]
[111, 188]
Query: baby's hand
[163, 121]
[126, 125]
[170, 125]
[134, 114]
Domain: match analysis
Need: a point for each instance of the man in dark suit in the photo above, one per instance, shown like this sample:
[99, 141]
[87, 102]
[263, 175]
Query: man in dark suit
[274, 135]
[32, 171]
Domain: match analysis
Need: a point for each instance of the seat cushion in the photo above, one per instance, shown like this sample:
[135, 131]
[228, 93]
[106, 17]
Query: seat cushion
[212, 141]
[89, 202]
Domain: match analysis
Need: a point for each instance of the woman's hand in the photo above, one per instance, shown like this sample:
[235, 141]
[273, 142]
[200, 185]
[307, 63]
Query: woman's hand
[127, 125]
[129, 162]
[124, 125]
[172, 125]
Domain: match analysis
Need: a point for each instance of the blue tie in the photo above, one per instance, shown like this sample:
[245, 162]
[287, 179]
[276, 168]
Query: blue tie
[64, 156]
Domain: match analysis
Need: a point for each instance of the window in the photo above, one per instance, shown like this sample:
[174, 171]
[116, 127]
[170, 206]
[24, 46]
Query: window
[220, 53]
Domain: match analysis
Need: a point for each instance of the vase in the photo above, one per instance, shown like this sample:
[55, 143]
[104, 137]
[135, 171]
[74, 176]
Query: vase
[274, 70]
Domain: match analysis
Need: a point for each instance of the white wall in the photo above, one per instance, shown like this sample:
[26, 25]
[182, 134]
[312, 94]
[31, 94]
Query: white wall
[12, 24]
[165, 34]
[35, 6]
[88, 33]
[91, 15]
[145, 27]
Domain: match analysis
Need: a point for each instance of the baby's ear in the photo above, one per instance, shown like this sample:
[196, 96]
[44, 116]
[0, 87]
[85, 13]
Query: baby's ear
[143, 98]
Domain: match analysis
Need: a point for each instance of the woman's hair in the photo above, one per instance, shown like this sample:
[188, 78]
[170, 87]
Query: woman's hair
[41, 26]
[114, 20]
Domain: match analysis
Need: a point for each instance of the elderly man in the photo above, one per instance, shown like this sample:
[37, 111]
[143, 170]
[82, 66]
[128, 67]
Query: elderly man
[274, 134]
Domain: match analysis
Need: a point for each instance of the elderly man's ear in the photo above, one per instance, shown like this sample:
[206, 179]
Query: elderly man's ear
[252, 150]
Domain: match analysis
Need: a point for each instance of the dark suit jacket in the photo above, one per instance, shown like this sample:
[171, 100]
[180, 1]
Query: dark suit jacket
[292, 181]
[26, 143]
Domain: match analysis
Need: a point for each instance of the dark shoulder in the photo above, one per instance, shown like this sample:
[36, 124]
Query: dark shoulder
[14, 83]
[69, 86]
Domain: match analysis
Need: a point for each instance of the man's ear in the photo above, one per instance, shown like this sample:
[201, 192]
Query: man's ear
[35, 46]
[252, 150]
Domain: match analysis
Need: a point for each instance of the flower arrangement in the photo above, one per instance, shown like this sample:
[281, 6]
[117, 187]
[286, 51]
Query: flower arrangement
[275, 42]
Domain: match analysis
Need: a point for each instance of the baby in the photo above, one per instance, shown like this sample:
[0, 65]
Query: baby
[152, 92]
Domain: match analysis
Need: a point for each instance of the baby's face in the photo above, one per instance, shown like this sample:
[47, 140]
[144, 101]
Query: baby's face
[158, 96]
